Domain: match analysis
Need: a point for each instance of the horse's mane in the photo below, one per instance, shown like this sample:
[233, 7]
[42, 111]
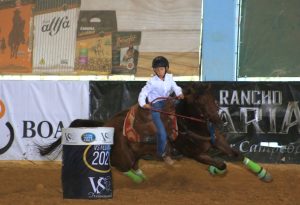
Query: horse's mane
[196, 89]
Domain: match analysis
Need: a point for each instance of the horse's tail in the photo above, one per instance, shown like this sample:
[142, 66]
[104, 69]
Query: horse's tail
[48, 149]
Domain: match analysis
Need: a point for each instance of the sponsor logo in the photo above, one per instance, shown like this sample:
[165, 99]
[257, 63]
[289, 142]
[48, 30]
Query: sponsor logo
[29, 130]
[88, 137]
[264, 111]
[87, 28]
[101, 187]
[54, 25]
[44, 129]
[105, 137]
[2, 109]
[68, 137]
[10, 128]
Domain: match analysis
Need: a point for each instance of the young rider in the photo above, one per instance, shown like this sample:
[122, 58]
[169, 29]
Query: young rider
[160, 85]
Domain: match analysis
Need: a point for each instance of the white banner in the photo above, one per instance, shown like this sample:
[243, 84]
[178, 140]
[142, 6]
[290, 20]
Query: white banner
[34, 112]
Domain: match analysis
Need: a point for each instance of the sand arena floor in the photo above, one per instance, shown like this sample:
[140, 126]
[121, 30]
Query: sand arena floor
[187, 182]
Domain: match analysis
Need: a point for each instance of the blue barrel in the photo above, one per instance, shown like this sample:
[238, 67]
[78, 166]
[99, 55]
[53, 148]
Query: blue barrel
[86, 170]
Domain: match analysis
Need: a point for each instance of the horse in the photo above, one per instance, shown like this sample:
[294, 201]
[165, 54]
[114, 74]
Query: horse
[16, 35]
[198, 132]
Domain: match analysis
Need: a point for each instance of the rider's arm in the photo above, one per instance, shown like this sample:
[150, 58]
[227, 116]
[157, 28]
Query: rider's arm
[143, 95]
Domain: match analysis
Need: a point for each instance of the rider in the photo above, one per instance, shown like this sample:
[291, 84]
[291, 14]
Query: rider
[160, 85]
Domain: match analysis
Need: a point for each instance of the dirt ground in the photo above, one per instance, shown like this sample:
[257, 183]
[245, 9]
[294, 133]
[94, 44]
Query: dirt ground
[187, 182]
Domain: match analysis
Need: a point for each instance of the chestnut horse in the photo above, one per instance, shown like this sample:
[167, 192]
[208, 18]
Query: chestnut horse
[197, 133]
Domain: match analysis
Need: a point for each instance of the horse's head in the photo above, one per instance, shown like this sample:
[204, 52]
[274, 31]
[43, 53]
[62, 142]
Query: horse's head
[201, 102]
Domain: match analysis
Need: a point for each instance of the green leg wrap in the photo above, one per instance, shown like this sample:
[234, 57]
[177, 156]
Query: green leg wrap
[215, 171]
[140, 173]
[258, 170]
[254, 167]
[133, 176]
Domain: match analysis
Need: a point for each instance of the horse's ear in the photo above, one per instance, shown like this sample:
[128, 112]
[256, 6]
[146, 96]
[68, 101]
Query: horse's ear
[205, 87]
[208, 87]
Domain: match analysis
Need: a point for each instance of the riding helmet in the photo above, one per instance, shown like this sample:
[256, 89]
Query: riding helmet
[160, 61]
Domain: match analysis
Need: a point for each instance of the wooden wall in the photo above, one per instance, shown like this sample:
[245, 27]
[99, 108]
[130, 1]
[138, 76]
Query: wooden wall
[169, 27]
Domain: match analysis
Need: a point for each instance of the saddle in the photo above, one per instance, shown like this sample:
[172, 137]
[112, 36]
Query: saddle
[139, 127]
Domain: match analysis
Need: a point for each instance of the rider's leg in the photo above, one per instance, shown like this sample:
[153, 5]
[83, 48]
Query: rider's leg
[162, 134]
[161, 131]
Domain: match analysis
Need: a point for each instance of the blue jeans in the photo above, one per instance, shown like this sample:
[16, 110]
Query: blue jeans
[162, 134]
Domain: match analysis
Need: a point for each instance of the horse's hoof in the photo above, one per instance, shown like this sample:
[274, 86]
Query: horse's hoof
[138, 180]
[215, 171]
[267, 178]
[141, 174]
[134, 177]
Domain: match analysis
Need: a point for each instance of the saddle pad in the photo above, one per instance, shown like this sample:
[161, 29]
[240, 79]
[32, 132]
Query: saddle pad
[128, 130]
[133, 136]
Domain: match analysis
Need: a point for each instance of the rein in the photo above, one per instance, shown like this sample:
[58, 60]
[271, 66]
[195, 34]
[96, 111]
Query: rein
[210, 125]
[173, 114]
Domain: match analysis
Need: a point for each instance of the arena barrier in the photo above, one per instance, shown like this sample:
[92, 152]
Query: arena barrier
[86, 170]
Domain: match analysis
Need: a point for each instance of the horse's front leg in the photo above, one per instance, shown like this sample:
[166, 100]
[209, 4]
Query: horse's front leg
[216, 167]
[222, 145]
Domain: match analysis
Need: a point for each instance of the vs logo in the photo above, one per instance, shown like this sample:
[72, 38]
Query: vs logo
[9, 127]
[101, 186]
[105, 137]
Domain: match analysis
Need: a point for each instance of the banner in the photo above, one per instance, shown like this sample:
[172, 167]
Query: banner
[262, 120]
[34, 112]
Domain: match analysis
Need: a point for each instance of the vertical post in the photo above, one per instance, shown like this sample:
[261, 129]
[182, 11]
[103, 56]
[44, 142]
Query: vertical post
[219, 44]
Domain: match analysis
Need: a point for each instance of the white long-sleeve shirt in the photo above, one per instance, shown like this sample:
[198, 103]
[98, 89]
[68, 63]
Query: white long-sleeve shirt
[155, 87]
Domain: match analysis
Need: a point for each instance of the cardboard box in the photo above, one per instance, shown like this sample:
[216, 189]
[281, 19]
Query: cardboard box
[55, 24]
[125, 52]
[94, 42]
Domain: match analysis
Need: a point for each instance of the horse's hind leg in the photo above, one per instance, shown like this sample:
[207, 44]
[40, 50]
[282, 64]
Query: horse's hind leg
[125, 161]
[124, 164]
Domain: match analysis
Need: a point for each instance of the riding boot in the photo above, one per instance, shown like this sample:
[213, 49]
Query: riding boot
[168, 160]
[175, 153]
[167, 155]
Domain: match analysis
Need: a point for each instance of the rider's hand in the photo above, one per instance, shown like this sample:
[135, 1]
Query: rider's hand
[147, 106]
[181, 96]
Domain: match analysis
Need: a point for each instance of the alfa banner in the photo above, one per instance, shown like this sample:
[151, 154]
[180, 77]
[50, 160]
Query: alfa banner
[34, 112]
[260, 119]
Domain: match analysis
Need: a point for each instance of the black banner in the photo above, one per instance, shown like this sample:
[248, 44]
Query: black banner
[261, 119]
